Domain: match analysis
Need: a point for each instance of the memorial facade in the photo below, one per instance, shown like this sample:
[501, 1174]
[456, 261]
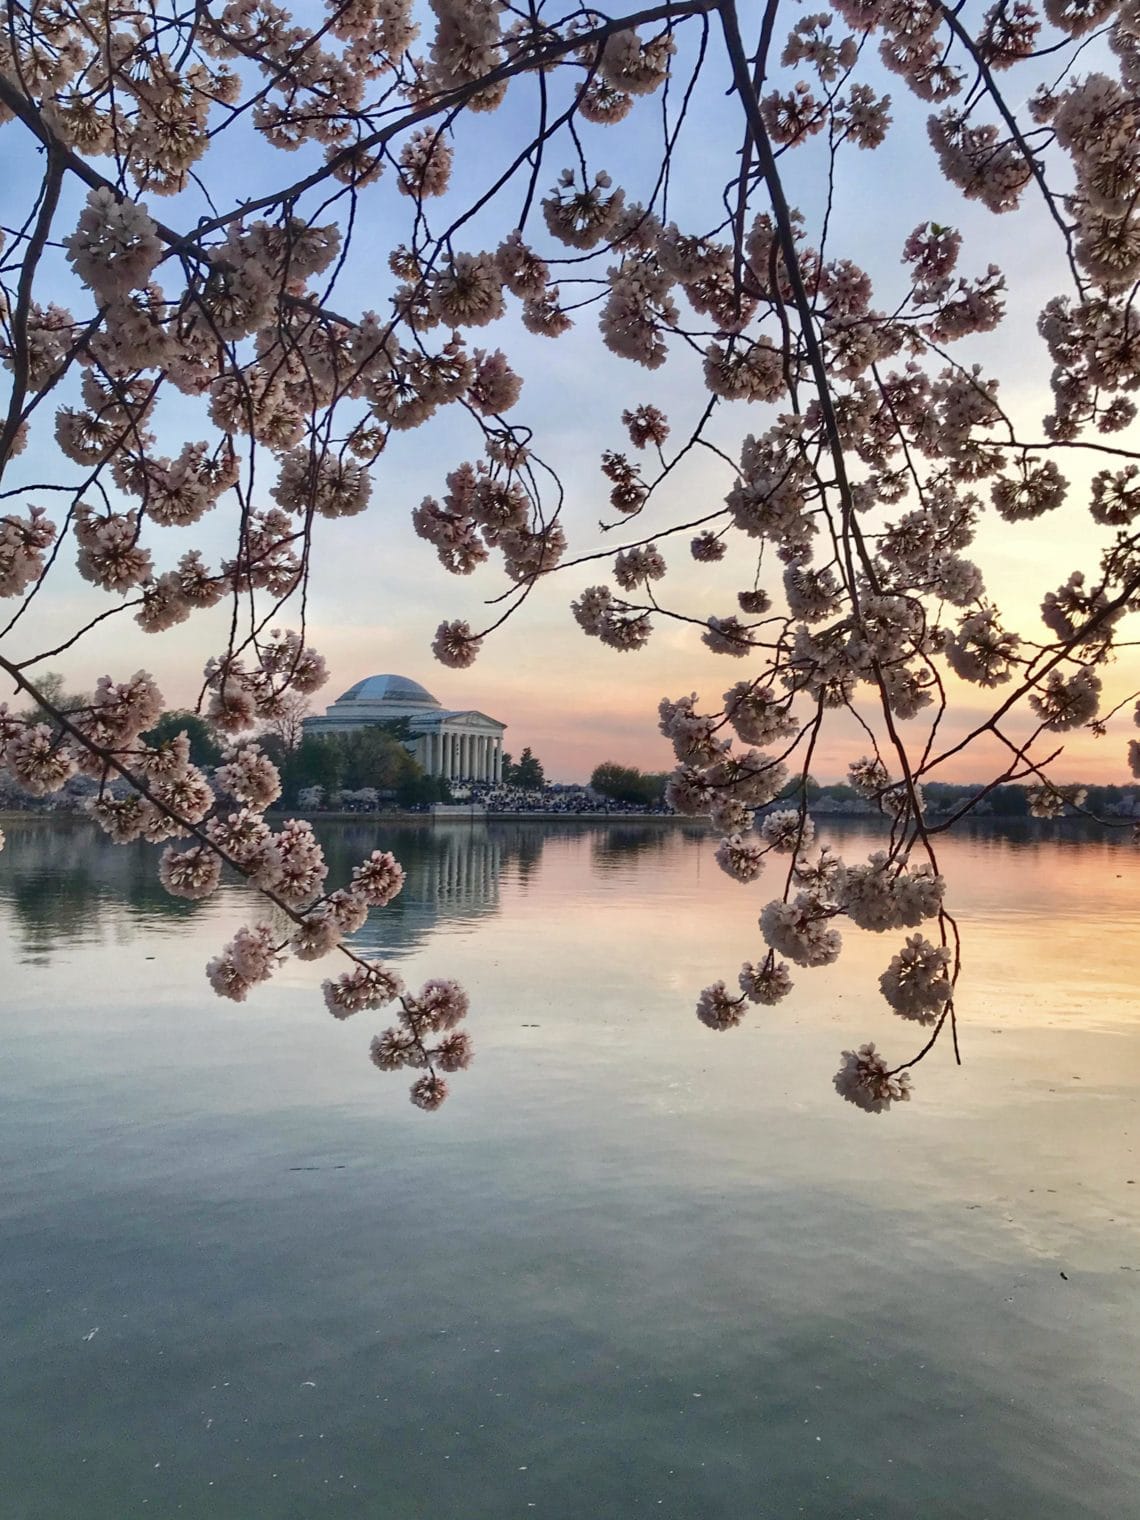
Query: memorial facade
[459, 744]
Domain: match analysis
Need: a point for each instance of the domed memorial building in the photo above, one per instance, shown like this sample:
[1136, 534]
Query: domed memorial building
[461, 745]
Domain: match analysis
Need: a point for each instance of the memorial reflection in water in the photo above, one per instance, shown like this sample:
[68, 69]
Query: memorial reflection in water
[66, 884]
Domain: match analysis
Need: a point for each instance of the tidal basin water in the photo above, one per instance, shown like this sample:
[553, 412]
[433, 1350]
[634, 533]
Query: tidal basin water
[632, 1267]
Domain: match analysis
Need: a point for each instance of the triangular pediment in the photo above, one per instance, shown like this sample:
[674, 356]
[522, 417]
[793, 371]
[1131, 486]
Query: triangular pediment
[469, 718]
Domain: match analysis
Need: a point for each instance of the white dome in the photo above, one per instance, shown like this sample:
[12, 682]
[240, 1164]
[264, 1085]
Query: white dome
[397, 690]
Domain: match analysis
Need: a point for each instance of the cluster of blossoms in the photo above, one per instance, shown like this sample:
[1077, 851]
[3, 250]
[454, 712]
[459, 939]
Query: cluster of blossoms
[22, 544]
[433, 1014]
[866, 1080]
[151, 791]
[872, 451]
[615, 622]
[916, 983]
[880, 895]
[115, 247]
[487, 508]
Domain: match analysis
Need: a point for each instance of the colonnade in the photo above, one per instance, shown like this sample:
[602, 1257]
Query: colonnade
[462, 755]
[466, 871]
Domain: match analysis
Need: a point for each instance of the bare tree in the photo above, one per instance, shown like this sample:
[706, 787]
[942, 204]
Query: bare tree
[287, 725]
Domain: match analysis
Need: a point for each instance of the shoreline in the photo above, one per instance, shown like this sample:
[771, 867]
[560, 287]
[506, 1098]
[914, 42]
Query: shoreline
[397, 816]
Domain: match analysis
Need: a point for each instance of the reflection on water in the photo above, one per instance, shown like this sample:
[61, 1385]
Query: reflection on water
[617, 845]
[67, 884]
[632, 1267]
[64, 884]
[452, 874]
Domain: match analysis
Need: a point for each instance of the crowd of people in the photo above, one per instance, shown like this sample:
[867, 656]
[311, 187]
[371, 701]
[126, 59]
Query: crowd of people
[571, 800]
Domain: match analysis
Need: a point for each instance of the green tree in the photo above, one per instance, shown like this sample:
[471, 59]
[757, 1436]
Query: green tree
[624, 783]
[840, 793]
[1011, 801]
[205, 751]
[800, 788]
[372, 756]
[317, 761]
[397, 728]
[527, 773]
[417, 791]
[52, 686]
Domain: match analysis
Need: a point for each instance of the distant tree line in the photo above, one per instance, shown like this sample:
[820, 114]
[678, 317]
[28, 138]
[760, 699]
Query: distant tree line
[624, 783]
[1012, 801]
[943, 798]
[205, 751]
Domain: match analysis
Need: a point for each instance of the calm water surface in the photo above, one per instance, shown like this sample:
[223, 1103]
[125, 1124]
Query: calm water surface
[632, 1267]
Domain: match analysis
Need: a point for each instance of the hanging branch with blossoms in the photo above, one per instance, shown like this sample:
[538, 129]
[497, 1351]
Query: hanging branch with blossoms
[169, 371]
